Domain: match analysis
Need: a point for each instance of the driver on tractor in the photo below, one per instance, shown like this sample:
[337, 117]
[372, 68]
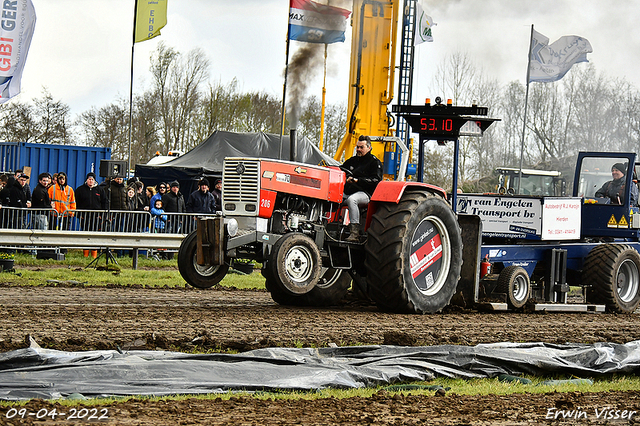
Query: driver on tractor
[364, 172]
[615, 189]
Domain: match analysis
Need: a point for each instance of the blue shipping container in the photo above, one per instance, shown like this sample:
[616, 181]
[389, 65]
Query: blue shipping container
[75, 161]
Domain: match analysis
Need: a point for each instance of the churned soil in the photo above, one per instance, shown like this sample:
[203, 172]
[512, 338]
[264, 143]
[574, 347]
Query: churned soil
[76, 318]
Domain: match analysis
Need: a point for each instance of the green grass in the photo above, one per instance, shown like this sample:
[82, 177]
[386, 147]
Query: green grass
[74, 271]
[457, 386]
[76, 258]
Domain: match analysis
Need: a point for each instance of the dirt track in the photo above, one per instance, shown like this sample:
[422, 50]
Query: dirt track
[77, 318]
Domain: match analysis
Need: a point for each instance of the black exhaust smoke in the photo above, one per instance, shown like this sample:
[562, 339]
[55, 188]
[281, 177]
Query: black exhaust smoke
[293, 145]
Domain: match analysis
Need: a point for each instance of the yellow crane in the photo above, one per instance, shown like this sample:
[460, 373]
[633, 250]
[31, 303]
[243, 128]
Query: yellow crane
[371, 77]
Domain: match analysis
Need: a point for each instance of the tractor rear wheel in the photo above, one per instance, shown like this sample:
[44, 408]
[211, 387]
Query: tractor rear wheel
[515, 283]
[199, 276]
[614, 272]
[413, 254]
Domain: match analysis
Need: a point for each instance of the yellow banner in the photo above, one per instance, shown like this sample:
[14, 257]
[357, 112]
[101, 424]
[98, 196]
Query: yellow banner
[151, 16]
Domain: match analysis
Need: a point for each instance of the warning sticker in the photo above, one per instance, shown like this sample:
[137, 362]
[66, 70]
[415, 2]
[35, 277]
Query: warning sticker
[613, 223]
[623, 223]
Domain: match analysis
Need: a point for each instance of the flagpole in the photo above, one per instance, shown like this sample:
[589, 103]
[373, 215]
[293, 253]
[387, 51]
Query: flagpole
[324, 96]
[133, 43]
[526, 104]
[284, 93]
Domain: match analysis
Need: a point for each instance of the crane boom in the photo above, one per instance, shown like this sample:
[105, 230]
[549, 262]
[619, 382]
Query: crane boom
[373, 56]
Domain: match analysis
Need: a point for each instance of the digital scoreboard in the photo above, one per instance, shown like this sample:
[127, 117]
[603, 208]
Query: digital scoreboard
[445, 122]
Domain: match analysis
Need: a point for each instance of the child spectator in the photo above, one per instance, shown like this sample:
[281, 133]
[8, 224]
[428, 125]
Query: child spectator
[160, 219]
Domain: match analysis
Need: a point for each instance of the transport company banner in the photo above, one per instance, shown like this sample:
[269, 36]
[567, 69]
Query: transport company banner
[524, 217]
[317, 23]
[16, 30]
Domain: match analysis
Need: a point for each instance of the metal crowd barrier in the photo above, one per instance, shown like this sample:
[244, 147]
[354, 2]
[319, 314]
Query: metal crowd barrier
[93, 229]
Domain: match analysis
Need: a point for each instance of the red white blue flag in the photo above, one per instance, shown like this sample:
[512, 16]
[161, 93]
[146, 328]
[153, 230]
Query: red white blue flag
[317, 23]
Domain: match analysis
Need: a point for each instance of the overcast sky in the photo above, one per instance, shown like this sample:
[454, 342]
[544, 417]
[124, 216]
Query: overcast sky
[81, 49]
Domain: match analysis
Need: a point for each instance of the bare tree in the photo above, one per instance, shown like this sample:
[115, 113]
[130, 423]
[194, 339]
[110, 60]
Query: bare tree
[460, 80]
[630, 98]
[219, 110]
[546, 120]
[335, 122]
[510, 128]
[146, 128]
[594, 111]
[108, 127]
[455, 78]
[263, 114]
[438, 163]
[187, 77]
[18, 122]
[53, 120]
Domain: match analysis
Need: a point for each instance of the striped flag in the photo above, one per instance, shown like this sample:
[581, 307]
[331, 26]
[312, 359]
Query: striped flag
[317, 23]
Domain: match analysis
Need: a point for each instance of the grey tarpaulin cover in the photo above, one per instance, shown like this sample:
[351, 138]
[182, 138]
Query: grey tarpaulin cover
[42, 373]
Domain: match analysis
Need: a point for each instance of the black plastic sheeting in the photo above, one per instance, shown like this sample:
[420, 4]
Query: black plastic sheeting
[42, 373]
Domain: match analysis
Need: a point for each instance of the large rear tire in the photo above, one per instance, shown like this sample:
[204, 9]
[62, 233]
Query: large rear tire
[614, 272]
[197, 275]
[414, 254]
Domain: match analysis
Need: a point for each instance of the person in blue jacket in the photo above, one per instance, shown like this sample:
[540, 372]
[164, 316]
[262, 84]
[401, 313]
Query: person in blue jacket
[159, 218]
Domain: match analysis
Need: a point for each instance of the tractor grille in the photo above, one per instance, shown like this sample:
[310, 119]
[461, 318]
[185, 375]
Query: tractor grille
[241, 186]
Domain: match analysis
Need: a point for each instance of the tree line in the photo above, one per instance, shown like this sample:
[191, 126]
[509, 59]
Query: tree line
[179, 110]
[585, 110]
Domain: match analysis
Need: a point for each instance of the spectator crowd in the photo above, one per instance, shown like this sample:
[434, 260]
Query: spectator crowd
[89, 201]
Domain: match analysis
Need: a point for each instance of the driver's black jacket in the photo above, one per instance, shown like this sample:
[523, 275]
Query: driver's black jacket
[367, 169]
[615, 189]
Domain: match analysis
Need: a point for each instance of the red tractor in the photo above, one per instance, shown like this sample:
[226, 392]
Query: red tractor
[289, 217]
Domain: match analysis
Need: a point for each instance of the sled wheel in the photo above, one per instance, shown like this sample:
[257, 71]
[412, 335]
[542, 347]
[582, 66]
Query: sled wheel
[199, 276]
[515, 282]
[295, 263]
[330, 290]
[413, 254]
[614, 272]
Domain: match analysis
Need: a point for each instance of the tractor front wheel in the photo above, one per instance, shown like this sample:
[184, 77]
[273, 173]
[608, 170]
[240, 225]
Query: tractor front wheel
[199, 276]
[330, 290]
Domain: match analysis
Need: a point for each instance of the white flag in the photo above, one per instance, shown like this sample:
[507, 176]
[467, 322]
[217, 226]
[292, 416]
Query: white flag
[16, 30]
[550, 63]
[423, 26]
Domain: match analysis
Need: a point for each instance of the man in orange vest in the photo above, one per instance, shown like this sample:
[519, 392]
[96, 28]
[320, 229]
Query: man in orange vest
[63, 199]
